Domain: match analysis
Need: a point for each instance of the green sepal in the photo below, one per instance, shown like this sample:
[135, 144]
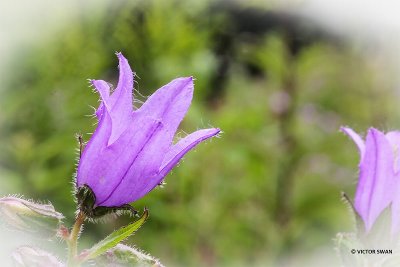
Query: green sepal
[360, 226]
[113, 239]
[86, 199]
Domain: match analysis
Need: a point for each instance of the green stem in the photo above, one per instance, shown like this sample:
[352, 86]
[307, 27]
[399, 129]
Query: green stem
[73, 240]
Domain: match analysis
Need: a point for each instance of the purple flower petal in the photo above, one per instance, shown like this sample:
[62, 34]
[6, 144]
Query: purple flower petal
[99, 140]
[396, 205]
[109, 165]
[356, 138]
[141, 173]
[104, 90]
[170, 104]
[394, 140]
[177, 151]
[122, 96]
[376, 182]
[142, 168]
[120, 101]
[143, 177]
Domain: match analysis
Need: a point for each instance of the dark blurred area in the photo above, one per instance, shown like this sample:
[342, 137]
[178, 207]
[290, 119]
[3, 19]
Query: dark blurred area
[249, 25]
[267, 193]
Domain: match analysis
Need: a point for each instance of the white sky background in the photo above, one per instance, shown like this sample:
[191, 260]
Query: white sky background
[375, 24]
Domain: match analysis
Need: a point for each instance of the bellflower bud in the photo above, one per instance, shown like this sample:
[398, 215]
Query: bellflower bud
[28, 216]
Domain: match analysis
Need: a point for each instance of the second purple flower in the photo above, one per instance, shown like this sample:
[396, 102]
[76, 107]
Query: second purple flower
[378, 185]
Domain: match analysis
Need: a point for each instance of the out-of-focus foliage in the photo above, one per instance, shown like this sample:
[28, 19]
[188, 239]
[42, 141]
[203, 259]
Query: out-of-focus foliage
[280, 111]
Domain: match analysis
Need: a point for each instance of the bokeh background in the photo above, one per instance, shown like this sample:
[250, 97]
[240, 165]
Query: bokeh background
[279, 78]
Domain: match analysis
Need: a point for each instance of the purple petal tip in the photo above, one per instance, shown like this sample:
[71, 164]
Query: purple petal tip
[189, 78]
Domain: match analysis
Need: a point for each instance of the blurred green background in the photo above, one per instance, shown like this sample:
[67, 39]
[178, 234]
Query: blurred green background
[267, 193]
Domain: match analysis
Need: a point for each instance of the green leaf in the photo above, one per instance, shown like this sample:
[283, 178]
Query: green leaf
[114, 238]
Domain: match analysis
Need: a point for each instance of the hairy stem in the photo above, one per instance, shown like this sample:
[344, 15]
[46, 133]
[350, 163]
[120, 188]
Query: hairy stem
[73, 240]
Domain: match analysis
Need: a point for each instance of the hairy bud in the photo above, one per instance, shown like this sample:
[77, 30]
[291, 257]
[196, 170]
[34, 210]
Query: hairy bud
[28, 216]
[29, 256]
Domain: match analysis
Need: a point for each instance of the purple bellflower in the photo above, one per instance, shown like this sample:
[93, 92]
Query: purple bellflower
[132, 150]
[378, 182]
